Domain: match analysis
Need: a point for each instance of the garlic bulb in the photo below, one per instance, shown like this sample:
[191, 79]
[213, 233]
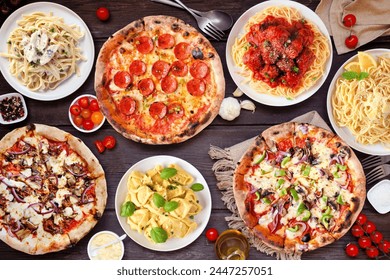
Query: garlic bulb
[230, 109]
[248, 105]
[237, 93]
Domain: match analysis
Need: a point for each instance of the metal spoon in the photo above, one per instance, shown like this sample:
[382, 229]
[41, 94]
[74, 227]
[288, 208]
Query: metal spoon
[94, 252]
[220, 19]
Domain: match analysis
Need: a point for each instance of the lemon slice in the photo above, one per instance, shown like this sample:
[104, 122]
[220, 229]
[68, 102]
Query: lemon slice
[353, 66]
[366, 61]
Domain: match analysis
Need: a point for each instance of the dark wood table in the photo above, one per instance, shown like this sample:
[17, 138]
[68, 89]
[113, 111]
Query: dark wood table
[220, 133]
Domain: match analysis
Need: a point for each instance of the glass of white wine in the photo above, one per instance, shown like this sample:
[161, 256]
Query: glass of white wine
[232, 245]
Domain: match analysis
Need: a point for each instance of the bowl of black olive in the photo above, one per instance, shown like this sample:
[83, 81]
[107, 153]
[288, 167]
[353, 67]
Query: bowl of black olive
[13, 108]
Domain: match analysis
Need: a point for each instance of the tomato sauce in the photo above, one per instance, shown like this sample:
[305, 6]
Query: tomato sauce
[279, 53]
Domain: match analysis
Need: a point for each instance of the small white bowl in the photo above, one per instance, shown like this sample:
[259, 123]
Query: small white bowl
[14, 94]
[379, 196]
[96, 127]
[90, 247]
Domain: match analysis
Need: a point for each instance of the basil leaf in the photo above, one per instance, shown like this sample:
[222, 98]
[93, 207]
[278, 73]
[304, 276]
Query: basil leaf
[362, 75]
[350, 75]
[158, 200]
[127, 209]
[167, 173]
[158, 235]
[197, 187]
[170, 206]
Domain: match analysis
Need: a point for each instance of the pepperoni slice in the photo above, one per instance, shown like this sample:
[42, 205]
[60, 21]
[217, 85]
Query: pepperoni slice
[166, 41]
[144, 44]
[182, 51]
[146, 86]
[127, 106]
[196, 87]
[160, 69]
[122, 79]
[169, 84]
[175, 111]
[137, 67]
[179, 68]
[158, 110]
[199, 70]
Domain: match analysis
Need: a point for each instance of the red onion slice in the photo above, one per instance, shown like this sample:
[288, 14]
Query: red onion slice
[83, 196]
[28, 148]
[73, 173]
[16, 196]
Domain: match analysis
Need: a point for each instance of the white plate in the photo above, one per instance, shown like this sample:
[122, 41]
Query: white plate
[238, 31]
[201, 219]
[344, 132]
[68, 86]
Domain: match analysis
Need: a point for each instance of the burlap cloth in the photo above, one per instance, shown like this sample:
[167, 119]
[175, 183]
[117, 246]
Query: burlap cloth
[372, 20]
[223, 169]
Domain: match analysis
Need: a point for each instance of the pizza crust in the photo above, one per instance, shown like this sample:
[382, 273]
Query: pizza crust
[149, 25]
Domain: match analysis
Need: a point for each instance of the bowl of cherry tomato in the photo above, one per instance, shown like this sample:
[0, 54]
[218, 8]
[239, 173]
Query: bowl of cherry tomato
[85, 114]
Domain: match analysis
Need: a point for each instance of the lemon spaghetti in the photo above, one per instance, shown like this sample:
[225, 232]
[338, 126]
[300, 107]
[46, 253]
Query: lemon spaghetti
[364, 105]
[291, 60]
[43, 51]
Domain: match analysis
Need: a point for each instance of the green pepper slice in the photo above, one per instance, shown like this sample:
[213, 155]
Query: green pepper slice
[306, 170]
[325, 220]
[262, 157]
[340, 200]
[301, 208]
[266, 200]
[282, 192]
[294, 194]
[293, 229]
[285, 161]
[257, 196]
[341, 167]
[306, 215]
[280, 183]
[280, 173]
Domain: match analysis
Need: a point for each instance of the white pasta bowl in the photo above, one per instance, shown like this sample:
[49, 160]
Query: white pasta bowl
[201, 218]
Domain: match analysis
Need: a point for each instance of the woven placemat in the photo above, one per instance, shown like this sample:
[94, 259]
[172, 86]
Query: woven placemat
[223, 168]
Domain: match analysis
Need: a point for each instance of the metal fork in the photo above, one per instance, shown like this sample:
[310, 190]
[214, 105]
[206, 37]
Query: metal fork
[204, 24]
[378, 173]
[372, 161]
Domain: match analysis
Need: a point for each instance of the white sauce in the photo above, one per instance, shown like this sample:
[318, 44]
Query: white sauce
[379, 196]
[37, 48]
[112, 252]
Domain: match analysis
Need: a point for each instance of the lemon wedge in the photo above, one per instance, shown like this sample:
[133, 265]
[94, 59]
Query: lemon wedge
[366, 61]
[353, 66]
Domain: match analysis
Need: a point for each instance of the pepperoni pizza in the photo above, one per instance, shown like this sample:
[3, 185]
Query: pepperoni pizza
[159, 81]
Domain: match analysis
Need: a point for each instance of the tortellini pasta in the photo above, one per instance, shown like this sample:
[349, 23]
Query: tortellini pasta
[177, 221]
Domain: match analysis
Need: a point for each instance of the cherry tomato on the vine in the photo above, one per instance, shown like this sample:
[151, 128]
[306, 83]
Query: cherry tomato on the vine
[99, 145]
[372, 252]
[351, 41]
[357, 231]
[212, 234]
[364, 242]
[361, 219]
[352, 250]
[109, 142]
[369, 227]
[384, 246]
[376, 237]
[103, 13]
[349, 20]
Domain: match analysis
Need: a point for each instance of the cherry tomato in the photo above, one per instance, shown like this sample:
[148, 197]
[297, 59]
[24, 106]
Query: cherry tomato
[75, 110]
[88, 124]
[369, 227]
[93, 105]
[357, 231]
[361, 219]
[97, 117]
[351, 41]
[212, 234]
[78, 120]
[349, 20]
[103, 13]
[372, 252]
[384, 246]
[364, 242]
[86, 113]
[352, 250]
[109, 142]
[99, 145]
[376, 237]
[83, 102]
